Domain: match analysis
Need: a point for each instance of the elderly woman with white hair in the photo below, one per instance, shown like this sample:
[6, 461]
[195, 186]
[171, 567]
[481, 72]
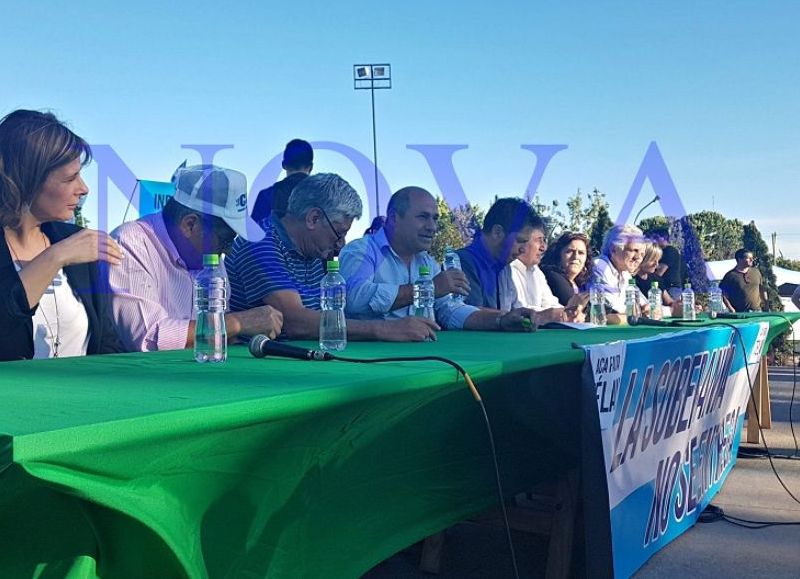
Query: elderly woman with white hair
[620, 258]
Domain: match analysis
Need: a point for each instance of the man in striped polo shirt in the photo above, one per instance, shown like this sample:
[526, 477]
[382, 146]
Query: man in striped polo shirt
[153, 299]
[284, 270]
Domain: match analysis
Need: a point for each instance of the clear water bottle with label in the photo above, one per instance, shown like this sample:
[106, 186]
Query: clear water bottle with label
[687, 299]
[332, 324]
[632, 310]
[452, 261]
[210, 301]
[654, 301]
[424, 295]
[597, 304]
[715, 303]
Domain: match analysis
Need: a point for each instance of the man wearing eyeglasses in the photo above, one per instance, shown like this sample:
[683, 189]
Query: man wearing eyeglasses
[284, 270]
[742, 287]
[153, 300]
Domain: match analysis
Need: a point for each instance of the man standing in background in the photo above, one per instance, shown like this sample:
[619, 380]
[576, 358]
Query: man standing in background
[742, 287]
[298, 162]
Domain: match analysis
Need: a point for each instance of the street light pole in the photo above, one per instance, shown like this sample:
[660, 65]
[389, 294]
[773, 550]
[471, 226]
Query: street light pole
[636, 219]
[375, 152]
[372, 77]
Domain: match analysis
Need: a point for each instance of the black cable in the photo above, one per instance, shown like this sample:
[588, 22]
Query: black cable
[713, 513]
[717, 322]
[747, 524]
[477, 396]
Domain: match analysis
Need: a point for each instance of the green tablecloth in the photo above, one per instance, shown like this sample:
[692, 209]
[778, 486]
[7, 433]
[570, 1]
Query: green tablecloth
[150, 465]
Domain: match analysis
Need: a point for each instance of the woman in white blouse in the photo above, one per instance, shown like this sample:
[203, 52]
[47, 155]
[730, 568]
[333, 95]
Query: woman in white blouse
[56, 302]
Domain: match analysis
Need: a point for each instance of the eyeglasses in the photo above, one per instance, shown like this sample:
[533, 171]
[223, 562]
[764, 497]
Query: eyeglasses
[339, 236]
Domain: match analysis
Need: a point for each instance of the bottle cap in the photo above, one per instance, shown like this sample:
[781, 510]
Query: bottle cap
[631, 281]
[333, 265]
[687, 285]
[424, 270]
[654, 284]
[210, 259]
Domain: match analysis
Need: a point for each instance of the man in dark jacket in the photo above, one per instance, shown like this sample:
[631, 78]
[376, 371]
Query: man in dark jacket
[298, 161]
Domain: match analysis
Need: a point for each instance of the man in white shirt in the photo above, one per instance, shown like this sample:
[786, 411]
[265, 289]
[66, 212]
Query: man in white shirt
[622, 253]
[532, 288]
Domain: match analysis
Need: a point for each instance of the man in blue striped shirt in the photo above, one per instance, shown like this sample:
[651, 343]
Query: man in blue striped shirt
[380, 270]
[284, 270]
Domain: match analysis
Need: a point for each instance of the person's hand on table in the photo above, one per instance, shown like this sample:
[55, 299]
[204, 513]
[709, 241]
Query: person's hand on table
[409, 329]
[575, 314]
[519, 320]
[550, 315]
[260, 320]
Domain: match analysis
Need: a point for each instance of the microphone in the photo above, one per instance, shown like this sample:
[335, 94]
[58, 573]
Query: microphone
[261, 346]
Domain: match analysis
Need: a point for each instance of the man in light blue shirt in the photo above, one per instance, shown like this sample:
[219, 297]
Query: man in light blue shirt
[380, 271]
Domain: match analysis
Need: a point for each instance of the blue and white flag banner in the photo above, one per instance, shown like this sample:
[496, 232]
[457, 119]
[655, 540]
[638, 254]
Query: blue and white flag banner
[671, 413]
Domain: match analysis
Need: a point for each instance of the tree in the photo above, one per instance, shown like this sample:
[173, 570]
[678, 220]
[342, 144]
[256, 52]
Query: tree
[650, 224]
[456, 227]
[599, 229]
[693, 256]
[719, 236]
[552, 216]
[793, 264]
[582, 210]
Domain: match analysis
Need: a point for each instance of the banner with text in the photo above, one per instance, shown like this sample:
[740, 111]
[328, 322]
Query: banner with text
[671, 414]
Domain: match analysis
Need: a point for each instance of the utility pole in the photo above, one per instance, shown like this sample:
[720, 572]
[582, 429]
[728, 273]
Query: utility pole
[774, 254]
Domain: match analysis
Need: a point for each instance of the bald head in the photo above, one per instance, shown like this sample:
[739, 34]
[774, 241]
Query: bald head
[412, 218]
[402, 199]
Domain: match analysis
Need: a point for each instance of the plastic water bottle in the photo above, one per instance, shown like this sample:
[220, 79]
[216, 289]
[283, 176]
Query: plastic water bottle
[687, 297]
[654, 299]
[332, 324]
[632, 310]
[597, 304]
[424, 294]
[452, 261]
[210, 301]
[715, 303]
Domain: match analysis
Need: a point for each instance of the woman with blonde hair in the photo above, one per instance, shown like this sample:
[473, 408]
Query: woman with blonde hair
[55, 300]
[646, 274]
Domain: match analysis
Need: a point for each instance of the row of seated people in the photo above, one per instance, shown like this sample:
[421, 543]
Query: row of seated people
[73, 291]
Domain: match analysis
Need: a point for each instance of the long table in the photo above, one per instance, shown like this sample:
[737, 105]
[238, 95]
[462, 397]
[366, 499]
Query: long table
[151, 465]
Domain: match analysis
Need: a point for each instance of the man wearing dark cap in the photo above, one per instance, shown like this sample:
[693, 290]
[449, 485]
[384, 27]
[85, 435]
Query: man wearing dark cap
[298, 161]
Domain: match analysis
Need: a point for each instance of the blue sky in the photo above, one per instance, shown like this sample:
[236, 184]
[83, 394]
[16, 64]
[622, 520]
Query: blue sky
[714, 84]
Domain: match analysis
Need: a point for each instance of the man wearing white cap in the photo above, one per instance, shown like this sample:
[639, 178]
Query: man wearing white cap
[153, 293]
